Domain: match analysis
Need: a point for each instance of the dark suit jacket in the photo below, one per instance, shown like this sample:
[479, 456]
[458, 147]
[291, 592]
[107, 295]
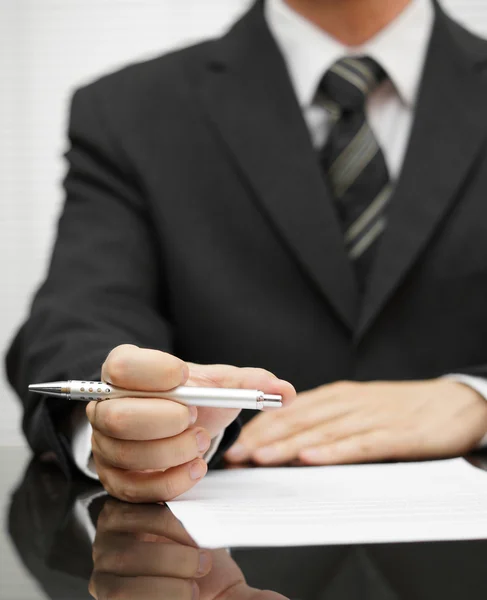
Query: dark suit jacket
[46, 532]
[197, 221]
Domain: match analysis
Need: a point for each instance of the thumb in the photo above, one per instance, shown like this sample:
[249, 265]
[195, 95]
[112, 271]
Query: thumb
[134, 368]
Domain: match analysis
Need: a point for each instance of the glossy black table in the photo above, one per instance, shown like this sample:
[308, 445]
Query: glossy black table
[63, 540]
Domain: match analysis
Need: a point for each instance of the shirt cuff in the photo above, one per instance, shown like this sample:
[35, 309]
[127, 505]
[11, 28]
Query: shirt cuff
[479, 384]
[81, 445]
[215, 444]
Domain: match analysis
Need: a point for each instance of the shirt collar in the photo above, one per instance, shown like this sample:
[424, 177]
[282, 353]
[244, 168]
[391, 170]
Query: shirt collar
[400, 48]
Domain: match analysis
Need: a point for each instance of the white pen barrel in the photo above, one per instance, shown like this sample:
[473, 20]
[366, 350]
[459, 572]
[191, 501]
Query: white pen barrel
[194, 396]
[244, 403]
[213, 397]
[201, 393]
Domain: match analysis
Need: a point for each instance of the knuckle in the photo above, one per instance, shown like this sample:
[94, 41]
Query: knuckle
[96, 551]
[106, 481]
[122, 455]
[180, 418]
[172, 365]
[109, 487]
[131, 493]
[100, 471]
[111, 519]
[175, 457]
[187, 558]
[264, 373]
[112, 418]
[165, 520]
[366, 447]
[95, 443]
[169, 488]
[114, 590]
[118, 364]
[119, 560]
[184, 452]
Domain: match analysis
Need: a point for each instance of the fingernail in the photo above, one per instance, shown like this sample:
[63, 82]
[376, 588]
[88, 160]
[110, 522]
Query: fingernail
[197, 470]
[195, 592]
[266, 454]
[193, 414]
[203, 441]
[204, 564]
[237, 452]
[185, 372]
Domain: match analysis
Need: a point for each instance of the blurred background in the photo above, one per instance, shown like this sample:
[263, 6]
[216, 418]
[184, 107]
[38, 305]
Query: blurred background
[48, 48]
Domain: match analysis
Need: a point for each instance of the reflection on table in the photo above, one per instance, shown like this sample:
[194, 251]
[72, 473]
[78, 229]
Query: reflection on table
[79, 543]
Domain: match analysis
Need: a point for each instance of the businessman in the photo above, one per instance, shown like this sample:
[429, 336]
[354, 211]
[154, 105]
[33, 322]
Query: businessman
[306, 195]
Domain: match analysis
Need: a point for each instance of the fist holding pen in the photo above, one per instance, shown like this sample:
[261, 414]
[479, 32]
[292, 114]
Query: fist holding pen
[150, 449]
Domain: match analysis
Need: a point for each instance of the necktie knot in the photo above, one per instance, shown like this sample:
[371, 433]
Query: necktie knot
[349, 82]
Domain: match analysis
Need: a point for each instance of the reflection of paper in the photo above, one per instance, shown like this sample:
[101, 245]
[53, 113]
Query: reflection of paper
[442, 500]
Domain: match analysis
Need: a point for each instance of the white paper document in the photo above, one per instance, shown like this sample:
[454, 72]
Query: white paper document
[301, 506]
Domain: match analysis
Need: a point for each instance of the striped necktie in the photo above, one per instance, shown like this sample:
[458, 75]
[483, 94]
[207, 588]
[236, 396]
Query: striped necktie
[353, 163]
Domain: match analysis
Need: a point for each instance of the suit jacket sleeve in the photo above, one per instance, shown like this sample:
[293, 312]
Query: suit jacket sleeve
[105, 284]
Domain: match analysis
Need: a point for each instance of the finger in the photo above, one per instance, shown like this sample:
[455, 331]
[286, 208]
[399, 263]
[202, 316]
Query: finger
[122, 555]
[263, 430]
[216, 420]
[226, 580]
[240, 378]
[136, 368]
[288, 449]
[105, 585]
[156, 486]
[318, 406]
[367, 447]
[155, 519]
[139, 418]
[152, 454]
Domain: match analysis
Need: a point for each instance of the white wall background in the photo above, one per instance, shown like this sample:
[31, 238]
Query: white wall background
[48, 47]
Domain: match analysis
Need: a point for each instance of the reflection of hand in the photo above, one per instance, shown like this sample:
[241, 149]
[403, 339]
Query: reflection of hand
[359, 422]
[143, 552]
[150, 449]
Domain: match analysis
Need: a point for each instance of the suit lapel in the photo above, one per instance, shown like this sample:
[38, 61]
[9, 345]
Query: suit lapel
[447, 135]
[250, 100]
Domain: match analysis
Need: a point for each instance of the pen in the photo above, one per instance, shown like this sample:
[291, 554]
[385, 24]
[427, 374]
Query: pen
[190, 396]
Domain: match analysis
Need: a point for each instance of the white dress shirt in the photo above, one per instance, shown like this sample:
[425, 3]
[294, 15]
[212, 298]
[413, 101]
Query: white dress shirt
[400, 48]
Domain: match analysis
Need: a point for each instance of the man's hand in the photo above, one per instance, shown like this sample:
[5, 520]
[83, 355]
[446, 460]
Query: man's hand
[149, 449]
[365, 422]
[145, 552]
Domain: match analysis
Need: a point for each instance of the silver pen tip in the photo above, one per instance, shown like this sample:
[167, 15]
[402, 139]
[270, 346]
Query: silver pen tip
[38, 388]
[55, 388]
